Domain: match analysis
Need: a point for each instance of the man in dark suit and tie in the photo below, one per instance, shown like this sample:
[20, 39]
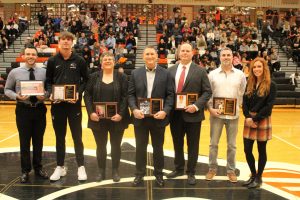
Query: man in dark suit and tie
[188, 78]
[151, 81]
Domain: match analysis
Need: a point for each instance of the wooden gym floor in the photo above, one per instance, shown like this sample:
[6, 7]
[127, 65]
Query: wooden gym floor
[281, 177]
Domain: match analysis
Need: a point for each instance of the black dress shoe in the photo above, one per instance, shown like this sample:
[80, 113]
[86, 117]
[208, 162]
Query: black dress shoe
[174, 174]
[138, 180]
[115, 175]
[160, 181]
[41, 173]
[24, 178]
[249, 181]
[100, 177]
[256, 183]
[191, 179]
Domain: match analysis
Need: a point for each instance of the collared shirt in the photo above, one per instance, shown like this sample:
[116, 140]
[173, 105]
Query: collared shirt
[12, 86]
[110, 42]
[150, 74]
[228, 85]
[178, 73]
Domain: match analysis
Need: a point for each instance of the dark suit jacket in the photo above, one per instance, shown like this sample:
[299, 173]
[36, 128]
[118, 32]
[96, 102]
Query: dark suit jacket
[163, 88]
[196, 82]
[92, 94]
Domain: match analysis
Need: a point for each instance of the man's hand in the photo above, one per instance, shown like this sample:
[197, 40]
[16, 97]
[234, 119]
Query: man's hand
[138, 114]
[22, 97]
[214, 112]
[54, 101]
[94, 117]
[116, 118]
[160, 115]
[40, 97]
[190, 109]
[76, 98]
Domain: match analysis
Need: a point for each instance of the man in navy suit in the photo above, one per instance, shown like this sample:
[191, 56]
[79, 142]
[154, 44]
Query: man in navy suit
[151, 81]
[188, 78]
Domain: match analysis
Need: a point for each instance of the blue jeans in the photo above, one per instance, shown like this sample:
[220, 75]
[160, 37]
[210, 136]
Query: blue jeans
[216, 127]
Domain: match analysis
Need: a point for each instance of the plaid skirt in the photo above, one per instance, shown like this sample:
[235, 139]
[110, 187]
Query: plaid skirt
[263, 132]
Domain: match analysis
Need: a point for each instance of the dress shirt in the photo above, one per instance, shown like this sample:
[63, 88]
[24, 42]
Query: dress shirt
[150, 74]
[12, 86]
[229, 85]
[178, 73]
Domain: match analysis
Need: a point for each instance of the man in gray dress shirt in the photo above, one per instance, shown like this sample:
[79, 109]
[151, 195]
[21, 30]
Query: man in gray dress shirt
[227, 83]
[30, 114]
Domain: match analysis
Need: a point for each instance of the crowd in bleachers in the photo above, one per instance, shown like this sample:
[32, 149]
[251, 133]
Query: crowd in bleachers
[11, 30]
[209, 35]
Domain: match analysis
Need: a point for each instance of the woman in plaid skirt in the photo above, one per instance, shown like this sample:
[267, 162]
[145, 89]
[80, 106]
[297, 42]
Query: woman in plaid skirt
[258, 102]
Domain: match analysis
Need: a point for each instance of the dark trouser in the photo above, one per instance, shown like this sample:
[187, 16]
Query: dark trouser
[178, 130]
[265, 36]
[141, 137]
[262, 156]
[62, 112]
[31, 123]
[115, 143]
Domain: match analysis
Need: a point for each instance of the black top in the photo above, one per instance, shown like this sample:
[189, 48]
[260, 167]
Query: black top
[70, 71]
[107, 91]
[260, 105]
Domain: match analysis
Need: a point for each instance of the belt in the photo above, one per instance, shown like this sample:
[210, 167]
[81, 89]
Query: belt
[30, 105]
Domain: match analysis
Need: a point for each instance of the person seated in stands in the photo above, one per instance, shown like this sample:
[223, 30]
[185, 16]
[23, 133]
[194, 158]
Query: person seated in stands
[274, 59]
[28, 42]
[177, 33]
[91, 41]
[160, 24]
[103, 49]
[130, 44]
[119, 52]
[4, 39]
[110, 42]
[253, 31]
[253, 51]
[48, 25]
[87, 55]
[170, 23]
[41, 44]
[244, 48]
[231, 45]
[162, 49]
[201, 42]
[237, 61]
[73, 28]
[50, 35]
[196, 57]
[82, 41]
[296, 49]
[206, 56]
[96, 49]
[172, 44]
[186, 29]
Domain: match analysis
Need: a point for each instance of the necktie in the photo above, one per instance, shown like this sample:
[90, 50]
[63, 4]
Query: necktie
[32, 99]
[181, 80]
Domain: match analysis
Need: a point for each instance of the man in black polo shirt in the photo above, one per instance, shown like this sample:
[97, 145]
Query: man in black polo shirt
[30, 114]
[67, 68]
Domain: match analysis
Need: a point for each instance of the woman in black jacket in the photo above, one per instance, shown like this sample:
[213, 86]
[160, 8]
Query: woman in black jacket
[258, 102]
[107, 86]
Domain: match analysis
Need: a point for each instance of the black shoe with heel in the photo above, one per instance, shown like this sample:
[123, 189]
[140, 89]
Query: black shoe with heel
[256, 183]
[249, 181]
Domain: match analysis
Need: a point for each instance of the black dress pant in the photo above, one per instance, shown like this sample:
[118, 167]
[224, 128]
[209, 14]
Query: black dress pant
[149, 125]
[116, 136]
[31, 124]
[61, 113]
[179, 128]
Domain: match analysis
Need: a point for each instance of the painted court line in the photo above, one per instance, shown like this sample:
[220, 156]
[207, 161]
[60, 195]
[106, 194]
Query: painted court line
[283, 140]
[9, 137]
[294, 189]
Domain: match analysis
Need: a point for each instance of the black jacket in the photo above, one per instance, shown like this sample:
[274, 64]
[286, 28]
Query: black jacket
[93, 92]
[260, 105]
[71, 71]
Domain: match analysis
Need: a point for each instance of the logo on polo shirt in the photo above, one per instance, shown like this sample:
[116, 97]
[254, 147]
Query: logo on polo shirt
[73, 66]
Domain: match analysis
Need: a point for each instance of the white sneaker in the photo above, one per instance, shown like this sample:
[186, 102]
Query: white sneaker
[58, 172]
[81, 173]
